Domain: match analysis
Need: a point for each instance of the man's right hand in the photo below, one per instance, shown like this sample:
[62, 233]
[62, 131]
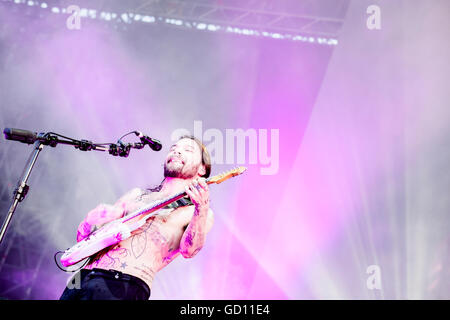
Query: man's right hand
[104, 213]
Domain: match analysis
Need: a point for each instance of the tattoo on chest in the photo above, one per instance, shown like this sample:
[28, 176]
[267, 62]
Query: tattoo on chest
[111, 258]
[139, 241]
[149, 232]
[146, 273]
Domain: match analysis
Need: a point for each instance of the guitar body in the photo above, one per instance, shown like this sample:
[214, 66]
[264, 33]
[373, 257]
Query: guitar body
[110, 234]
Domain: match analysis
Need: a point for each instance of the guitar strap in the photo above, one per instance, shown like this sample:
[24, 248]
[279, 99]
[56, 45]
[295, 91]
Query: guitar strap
[185, 201]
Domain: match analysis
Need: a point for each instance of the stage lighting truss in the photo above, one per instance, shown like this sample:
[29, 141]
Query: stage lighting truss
[205, 16]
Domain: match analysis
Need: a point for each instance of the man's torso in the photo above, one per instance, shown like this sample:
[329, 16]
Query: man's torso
[151, 247]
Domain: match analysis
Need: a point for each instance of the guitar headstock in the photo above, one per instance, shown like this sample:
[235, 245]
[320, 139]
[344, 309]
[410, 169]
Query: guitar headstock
[226, 175]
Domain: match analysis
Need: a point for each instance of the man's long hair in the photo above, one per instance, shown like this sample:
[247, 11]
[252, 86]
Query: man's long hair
[206, 159]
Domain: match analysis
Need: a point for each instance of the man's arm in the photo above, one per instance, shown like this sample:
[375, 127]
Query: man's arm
[201, 223]
[105, 213]
[194, 236]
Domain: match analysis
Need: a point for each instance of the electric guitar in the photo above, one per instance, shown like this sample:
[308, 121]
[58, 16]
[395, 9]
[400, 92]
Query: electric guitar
[115, 231]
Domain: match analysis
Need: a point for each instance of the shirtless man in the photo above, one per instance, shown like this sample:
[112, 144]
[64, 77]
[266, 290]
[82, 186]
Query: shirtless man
[126, 270]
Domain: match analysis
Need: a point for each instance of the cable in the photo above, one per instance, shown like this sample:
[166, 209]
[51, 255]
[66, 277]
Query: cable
[66, 270]
[126, 134]
[60, 135]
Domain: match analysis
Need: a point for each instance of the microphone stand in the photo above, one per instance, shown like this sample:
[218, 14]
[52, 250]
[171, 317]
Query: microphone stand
[22, 189]
[52, 140]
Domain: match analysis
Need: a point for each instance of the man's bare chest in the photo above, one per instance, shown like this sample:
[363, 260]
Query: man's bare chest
[156, 240]
[163, 226]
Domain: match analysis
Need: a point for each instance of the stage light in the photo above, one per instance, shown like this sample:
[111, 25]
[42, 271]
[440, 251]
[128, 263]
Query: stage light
[148, 19]
[92, 13]
[124, 17]
[333, 42]
[105, 16]
[212, 27]
[83, 13]
[201, 26]
[173, 21]
[236, 30]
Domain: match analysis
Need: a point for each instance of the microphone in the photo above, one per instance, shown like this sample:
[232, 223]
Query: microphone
[24, 136]
[152, 143]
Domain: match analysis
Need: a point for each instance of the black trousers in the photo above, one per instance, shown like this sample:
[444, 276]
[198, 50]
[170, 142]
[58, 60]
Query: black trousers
[99, 284]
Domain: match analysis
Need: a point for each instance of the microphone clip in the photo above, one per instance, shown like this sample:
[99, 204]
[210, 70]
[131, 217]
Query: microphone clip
[154, 144]
[121, 150]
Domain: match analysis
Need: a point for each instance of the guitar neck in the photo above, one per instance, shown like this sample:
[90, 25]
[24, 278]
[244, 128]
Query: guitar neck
[156, 206]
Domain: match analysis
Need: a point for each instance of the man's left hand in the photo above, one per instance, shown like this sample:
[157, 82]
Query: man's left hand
[198, 191]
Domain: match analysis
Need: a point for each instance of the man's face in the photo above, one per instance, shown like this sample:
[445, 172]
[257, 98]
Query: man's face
[184, 160]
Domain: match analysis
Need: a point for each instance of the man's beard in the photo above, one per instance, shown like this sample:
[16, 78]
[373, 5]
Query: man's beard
[178, 172]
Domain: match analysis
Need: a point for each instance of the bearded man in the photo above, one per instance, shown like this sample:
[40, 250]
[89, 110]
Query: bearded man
[126, 270]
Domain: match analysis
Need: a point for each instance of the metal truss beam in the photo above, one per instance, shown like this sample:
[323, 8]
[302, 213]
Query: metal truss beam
[259, 19]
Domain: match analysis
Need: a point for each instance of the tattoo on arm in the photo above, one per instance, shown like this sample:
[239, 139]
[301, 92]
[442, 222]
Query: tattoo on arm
[190, 238]
[194, 235]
